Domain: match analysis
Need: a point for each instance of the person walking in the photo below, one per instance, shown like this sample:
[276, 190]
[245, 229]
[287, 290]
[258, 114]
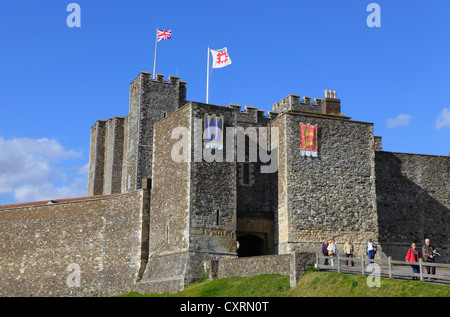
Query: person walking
[371, 249]
[348, 250]
[325, 251]
[427, 253]
[413, 256]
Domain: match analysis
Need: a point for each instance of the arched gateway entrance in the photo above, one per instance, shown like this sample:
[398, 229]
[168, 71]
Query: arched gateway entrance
[254, 236]
[250, 245]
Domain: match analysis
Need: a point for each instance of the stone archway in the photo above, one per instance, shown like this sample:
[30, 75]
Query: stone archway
[250, 245]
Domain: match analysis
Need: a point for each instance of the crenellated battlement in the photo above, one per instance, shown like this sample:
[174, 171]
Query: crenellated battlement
[160, 78]
[328, 105]
[250, 114]
[293, 102]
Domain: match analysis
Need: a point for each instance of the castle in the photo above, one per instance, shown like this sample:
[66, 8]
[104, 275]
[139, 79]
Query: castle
[251, 185]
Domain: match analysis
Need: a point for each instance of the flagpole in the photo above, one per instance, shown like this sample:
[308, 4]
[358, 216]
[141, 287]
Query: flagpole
[207, 78]
[156, 50]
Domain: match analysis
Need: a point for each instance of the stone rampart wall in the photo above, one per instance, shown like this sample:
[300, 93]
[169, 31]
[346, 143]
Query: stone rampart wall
[294, 265]
[43, 248]
[413, 202]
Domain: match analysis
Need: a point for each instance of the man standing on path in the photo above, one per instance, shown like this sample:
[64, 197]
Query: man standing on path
[427, 253]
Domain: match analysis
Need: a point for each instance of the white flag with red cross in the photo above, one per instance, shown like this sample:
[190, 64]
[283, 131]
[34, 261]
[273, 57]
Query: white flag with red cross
[220, 58]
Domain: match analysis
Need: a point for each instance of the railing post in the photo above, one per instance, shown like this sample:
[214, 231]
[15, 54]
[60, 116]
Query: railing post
[317, 260]
[362, 264]
[339, 263]
[421, 269]
[390, 269]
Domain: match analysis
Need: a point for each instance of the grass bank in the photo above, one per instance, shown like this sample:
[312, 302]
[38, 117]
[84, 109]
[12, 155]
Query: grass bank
[328, 284]
[269, 285]
[312, 284]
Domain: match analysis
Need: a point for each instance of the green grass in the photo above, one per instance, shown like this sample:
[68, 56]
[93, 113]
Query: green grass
[312, 284]
[269, 285]
[327, 284]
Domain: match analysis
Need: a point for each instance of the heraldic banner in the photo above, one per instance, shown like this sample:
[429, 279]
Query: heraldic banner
[308, 140]
[213, 135]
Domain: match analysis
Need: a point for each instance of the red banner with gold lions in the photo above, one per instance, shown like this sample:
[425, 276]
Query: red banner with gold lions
[308, 140]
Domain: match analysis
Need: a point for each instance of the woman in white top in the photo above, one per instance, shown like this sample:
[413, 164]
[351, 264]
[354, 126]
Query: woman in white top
[332, 250]
[371, 249]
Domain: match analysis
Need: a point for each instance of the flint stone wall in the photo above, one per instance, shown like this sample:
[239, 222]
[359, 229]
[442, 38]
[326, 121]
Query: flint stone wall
[413, 198]
[294, 265]
[331, 196]
[213, 196]
[170, 207]
[101, 235]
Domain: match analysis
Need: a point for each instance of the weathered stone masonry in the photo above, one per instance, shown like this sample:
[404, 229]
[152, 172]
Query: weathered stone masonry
[102, 235]
[413, 201]
[333, 195]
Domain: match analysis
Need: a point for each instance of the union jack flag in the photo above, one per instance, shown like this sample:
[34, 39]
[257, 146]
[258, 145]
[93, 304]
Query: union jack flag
[164, 35]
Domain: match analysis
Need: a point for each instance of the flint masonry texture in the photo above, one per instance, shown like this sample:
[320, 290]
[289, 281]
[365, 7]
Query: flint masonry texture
[102, 235]
[413, 201]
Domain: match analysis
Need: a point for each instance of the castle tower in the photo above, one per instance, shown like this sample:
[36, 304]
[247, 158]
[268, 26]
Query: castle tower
[96, 159]
[122, 147]
[193, 202]
[150, 101]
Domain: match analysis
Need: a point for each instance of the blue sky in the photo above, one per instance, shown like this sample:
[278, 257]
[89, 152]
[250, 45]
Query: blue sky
[56, 81]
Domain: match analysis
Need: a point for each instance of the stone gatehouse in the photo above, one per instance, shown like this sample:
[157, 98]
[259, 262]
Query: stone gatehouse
[150, 222]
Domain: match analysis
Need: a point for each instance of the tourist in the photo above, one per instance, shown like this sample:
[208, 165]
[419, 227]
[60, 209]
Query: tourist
[325, 251]
[348, 250]
[371, 249]
[332, 251]
[427, 253]
[413, 256]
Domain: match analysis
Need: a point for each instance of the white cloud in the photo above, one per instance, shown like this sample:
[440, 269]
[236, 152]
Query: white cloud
[402, 120]
[47, 191]
[83, 170]
[32, 169]
[443, 120]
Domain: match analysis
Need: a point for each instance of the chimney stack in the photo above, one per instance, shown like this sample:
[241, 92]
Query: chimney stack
[330, 104]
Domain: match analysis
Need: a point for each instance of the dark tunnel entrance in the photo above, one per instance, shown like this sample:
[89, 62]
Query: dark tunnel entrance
[250, 245]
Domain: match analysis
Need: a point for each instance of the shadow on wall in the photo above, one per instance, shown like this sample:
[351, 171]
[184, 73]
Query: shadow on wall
[407, 188]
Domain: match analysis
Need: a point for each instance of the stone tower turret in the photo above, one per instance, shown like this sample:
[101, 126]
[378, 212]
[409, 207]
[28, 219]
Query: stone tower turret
[122, 147]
